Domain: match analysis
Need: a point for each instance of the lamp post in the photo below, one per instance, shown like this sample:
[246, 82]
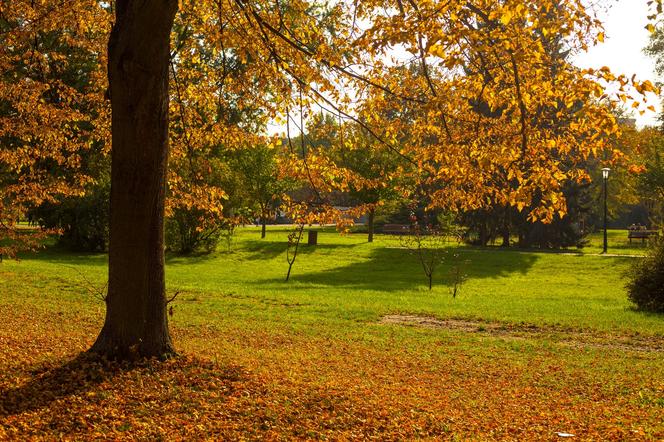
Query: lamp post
[605, 175]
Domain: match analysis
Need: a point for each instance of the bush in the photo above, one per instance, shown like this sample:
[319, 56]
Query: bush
[190, 230]
[646, 285]
[83, 221]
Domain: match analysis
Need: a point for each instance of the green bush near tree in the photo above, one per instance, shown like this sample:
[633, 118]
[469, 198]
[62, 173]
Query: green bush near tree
[83, 221]
[646, 285]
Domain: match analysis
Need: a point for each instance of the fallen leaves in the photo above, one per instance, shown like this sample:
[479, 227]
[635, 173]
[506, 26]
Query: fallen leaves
[241, 381]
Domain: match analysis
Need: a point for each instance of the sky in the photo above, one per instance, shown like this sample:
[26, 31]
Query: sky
[626, 36]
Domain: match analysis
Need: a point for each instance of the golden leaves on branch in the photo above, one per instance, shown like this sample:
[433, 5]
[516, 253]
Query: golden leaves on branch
[52, 107]
[506, 117]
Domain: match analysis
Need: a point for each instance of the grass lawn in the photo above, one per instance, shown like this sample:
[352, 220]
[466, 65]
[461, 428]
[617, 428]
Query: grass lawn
[618, 244]
[536, 343]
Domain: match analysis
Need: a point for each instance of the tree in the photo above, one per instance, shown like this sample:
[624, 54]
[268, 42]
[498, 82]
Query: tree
[651, 181]
[645, 287]
[377, 167]
[263, 188]
[501, 218]
[212, 123]
[639, 181]
[196, 202]
[138, 70]
[53, 119]
[373, 167]
[81, 221]
[428, 243]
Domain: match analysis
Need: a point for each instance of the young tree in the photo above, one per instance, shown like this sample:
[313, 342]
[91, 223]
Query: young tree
[429, 244]
[261, 184]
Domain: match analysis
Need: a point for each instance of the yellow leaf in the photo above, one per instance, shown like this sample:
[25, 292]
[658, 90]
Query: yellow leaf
[506, 18]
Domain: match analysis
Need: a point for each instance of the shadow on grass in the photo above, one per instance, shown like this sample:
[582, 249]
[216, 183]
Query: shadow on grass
[397, 269]
[645, 313]
[60, 255]
[50, 384]
[194, 257]
[254, 249]
[87, 373]
[258, 250]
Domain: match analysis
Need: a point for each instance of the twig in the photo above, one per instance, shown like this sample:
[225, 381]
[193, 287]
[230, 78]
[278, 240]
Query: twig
[168, 301]
[89, 286]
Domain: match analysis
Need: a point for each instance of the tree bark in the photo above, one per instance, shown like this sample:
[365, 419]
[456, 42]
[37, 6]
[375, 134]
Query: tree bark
[506, 228]
[483, 236]
[370, 221]
[506, 238]
[263, 226]
[136, 322]
[522, 240]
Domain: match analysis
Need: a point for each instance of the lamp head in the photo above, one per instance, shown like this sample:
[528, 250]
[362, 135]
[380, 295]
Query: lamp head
[605, 172]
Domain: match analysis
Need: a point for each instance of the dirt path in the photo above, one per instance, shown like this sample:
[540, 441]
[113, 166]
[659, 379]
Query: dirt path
[567, 336]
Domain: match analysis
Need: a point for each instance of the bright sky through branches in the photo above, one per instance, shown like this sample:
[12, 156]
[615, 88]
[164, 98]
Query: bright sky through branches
[626, 36]
[622, 51]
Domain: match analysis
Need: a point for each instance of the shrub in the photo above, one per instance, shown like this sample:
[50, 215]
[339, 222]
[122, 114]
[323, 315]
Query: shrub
[646, 280]
[83, 221]
[190, 230]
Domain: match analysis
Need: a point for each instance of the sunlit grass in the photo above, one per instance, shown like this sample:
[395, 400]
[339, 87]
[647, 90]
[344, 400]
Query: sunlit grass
[315, 361]
[344, 278]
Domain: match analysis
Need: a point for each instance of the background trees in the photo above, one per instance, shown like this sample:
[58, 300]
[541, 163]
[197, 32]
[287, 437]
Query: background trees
[650, 182]
[371, 166]
[53, 119]
[261, 186]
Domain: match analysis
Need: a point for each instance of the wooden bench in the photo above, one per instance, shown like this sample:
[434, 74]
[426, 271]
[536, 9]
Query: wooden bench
[643, 235]
[396, 229]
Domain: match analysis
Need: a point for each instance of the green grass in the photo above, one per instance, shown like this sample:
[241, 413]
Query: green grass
[557, 346]
[344, 279]
[618, 244]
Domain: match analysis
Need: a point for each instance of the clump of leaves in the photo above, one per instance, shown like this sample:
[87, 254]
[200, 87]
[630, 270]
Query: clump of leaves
[646, 280]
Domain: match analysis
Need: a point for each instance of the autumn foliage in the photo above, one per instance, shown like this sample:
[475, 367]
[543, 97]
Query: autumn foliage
[382, 381]
[52, 111]
[485, 111]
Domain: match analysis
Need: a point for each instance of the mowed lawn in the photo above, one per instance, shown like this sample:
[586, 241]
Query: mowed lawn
[355, 346]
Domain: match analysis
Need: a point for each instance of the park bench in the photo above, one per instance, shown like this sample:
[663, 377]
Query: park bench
[396, 229]
[643, 235]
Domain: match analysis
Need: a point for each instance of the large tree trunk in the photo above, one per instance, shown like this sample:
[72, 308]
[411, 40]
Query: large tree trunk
[263, 226]
[136, 322]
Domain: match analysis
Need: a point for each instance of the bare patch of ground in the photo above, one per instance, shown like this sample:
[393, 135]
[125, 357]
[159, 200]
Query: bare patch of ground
[566, 336]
